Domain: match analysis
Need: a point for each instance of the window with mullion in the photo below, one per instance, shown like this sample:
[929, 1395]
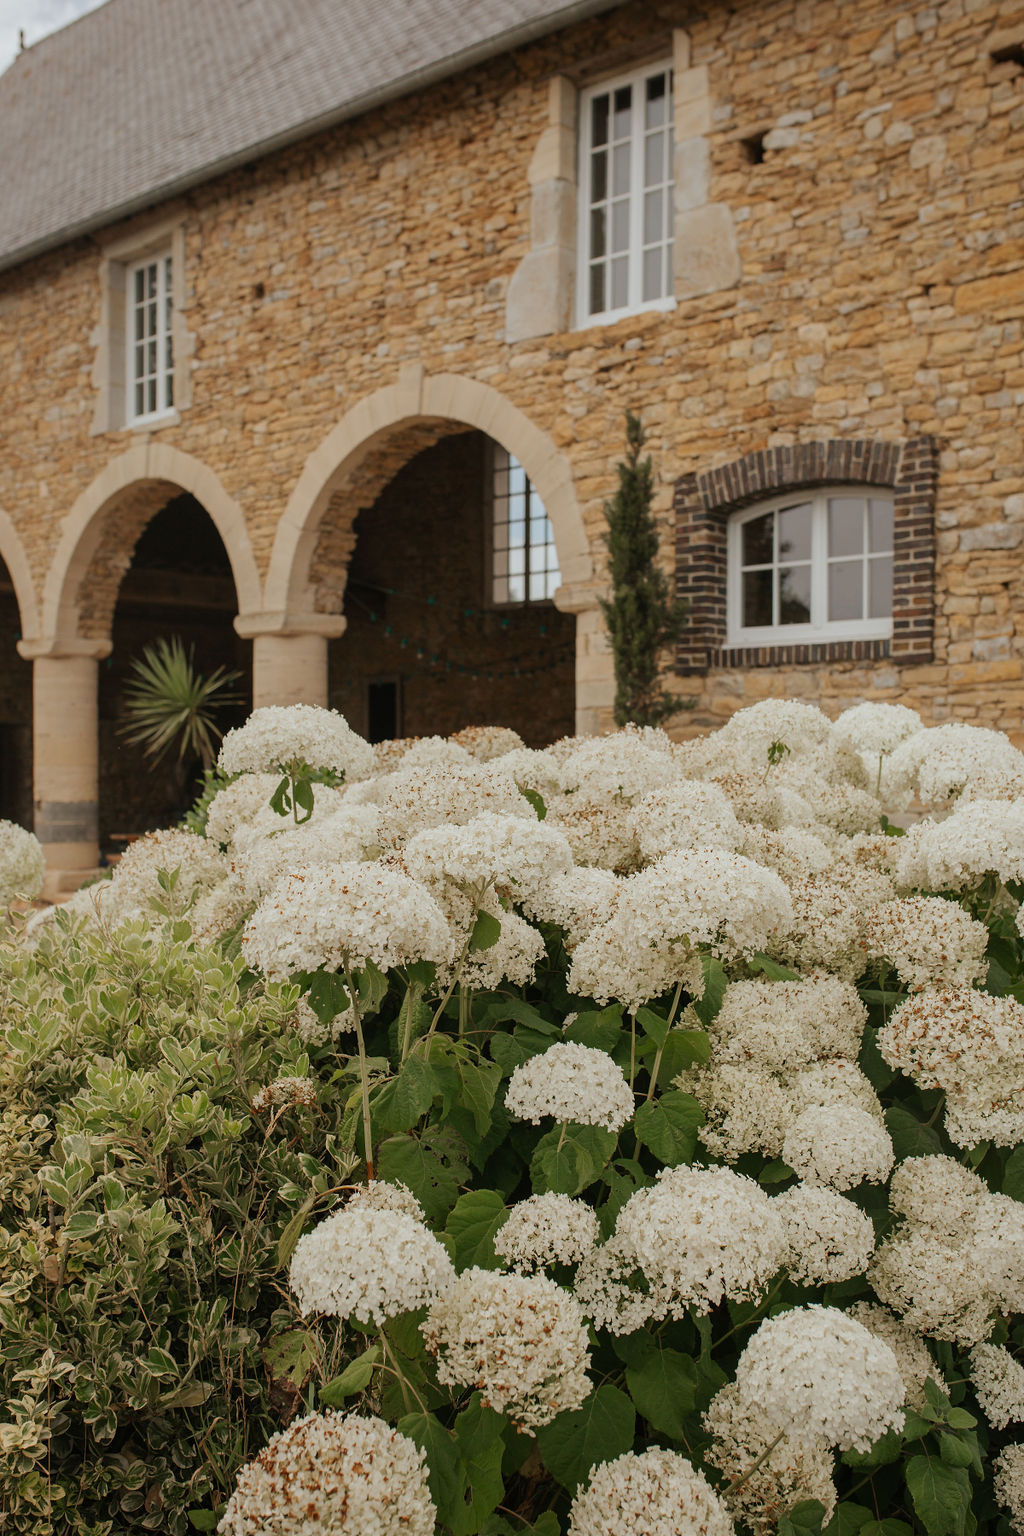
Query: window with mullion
[626, 222]
[150, 364]
[524, 562]
[811, 568]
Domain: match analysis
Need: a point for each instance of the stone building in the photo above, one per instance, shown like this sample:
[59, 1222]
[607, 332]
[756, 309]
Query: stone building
[319, 324]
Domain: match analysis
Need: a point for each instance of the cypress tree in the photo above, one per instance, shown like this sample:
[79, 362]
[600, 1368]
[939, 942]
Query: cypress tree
[642, 617]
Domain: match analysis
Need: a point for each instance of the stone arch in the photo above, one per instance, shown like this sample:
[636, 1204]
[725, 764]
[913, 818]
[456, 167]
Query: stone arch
[103, 526]
[12, 553]
[362, 453]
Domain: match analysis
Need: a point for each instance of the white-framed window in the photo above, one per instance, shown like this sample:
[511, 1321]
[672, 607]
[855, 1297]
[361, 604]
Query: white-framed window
[811, 567]
[524, 562]
[149, 368]
[626, 213]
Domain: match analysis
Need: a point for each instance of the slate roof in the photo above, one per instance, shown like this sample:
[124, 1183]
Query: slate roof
[141, 99]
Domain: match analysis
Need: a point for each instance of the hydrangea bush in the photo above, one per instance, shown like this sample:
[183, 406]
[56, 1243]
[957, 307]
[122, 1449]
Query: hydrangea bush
[451, 1136]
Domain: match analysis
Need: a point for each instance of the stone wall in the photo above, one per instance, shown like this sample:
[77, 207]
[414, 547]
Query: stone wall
[869, 159]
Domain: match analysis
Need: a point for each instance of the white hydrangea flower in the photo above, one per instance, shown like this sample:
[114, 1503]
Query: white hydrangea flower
[532, 769]
[284, 1092]
[577, 901]
[986, 836]
[546, 1229]
[491, 849]
[830, 1239]
[789, 1023]
[309, 1027]
[997, 1241]
[830, 1082]
[621, 766]
[260, 860]
[702, 897]
[451, 794]
[875, 730]
[486, 742]
[998, 1380]
[703, 1234]
[936, 1191]
[513, 957]
[825, 930]
[331, 915]
[333, 1474]
[912, 1356]
[656, 1492]
[285, 733]
[840, 1145]
[685, 814]
[795, 854]
[790, 1471]
[1008, 1483]
[820, 1375]
[429, 752]
[613, 1293]
[218, 910]
[970, 1044]
[747, 1107]
[127, 897]
[751, 731]
[773, 804]
[929, 941]
[380, 1195]
[600, 834]
[369, 1262]
[22, 864]
[571, 1082]
[520, 1340]
[238, 803]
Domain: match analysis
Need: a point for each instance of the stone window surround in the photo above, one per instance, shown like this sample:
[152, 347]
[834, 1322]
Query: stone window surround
[109, 374]
[540, 300]
[703, 503]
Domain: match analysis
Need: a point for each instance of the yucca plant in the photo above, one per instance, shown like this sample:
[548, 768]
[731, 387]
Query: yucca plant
[171, 705]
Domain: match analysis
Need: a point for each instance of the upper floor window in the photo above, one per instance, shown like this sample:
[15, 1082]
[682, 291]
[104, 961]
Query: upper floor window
[811, 567]
[150, 361]
[524, 562]
[626, 195]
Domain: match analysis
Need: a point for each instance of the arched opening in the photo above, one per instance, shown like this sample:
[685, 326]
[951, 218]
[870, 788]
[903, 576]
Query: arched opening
[15, 711]
[443, 556]
[179, 584]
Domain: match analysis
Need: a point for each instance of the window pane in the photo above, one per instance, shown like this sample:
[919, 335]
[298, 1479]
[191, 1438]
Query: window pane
[500, 563]
[620, 170]
[538, 531]
[151, 395]
[880, 526]
[140, 399]
[517, 534]
[599, 120]
[846, 590]
[140, 285]
[879, 588]
[620, 283]
[597, 303]
[516, 479]
[656, 101]
[795, 594]
[652, 274]
[757, 598]
[654, 224]
[500, 536]
[620, 226]
[517, 562]
[795, 533]
[598, 226]
[757, 540]
[845, 525]
[169, 391]
[151, 281]
[599, 176]
[654, 160]
[622, 121]
[538, 581]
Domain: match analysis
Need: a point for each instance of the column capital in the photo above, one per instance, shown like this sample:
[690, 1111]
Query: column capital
[56, 647]
[286, 623]
[579, 596]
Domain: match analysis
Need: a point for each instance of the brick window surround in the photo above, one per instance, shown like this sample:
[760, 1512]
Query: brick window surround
[702, 504]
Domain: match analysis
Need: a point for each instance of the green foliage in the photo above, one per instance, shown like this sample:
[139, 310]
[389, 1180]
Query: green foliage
[171, 707]
[642, 617]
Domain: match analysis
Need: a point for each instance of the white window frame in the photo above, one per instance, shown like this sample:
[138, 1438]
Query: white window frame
[820, 630]
[163, 377]
[500, 459]
[635, 304]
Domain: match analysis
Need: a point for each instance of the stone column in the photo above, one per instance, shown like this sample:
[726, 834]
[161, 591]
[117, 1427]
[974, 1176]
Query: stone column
[289, 656]
[66, 757]
[595, 669]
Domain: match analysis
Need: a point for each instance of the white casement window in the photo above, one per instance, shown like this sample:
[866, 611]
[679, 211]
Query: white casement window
[524, 563]
[625, 224]
[149, 304]
[811, 567]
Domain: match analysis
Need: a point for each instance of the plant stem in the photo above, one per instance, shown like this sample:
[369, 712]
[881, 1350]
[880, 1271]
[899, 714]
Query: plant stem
[403, 1382]
[657, 1056]
[364, 1071]
[738, 1482]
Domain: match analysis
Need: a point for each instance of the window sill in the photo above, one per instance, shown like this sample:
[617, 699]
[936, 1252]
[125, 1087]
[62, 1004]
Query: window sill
[799, 653]
[656, 306]
[152, 423]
